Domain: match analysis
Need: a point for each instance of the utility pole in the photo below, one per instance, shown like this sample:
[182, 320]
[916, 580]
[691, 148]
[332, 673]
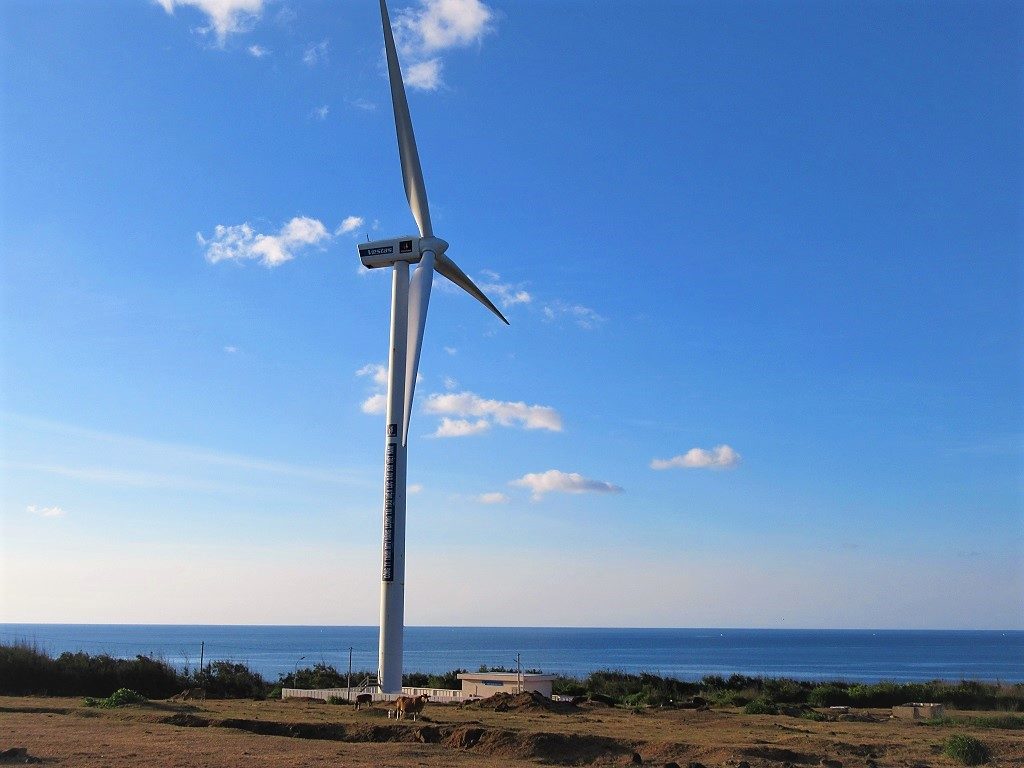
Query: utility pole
[202, 648]
[519, 671]
[349, 679]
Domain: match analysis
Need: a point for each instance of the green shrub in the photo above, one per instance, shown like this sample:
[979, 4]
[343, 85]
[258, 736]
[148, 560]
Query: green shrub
[122, 697]
[729, 698]
[226, 679]
[966, 749]
[829, 695]
[761, 706]
[337, 700]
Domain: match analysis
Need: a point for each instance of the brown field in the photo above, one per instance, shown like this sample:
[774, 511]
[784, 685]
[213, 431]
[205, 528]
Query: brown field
[273, 733]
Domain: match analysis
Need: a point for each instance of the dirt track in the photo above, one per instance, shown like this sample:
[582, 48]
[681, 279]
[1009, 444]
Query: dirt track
[262, 733]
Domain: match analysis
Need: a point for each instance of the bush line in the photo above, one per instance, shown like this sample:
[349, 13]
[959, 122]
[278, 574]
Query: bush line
[27, 670]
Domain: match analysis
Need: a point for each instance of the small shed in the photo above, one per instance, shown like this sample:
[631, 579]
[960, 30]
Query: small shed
[485, 684]
[916, 710]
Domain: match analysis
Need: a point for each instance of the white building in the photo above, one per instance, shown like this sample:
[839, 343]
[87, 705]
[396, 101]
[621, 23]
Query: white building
[484, 684]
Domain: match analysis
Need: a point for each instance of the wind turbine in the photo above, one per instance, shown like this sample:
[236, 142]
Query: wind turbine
[409, 299]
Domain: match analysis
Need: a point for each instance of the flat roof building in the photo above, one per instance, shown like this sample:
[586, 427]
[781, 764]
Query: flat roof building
[485, 684]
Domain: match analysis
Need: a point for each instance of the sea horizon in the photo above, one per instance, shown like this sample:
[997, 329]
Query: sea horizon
[853, 655]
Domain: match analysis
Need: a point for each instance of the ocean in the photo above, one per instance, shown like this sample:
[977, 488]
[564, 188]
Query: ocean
[687, 654]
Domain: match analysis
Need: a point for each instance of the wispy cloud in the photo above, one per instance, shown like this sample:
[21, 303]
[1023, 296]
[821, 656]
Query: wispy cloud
[32, 509]
[467, 405]
[240, 242]
[315, 53]
[231, 350]
[375, 404]
[719, 457]
[492, 498]
[556, 481]
[349, 224]
[415, 488]
[584, 317]
[461, 427]
[257, 51]
[363, 104]
[452, 351]
[435, 26]
[377, 372]
[226, 17]
[507, 294]
[321, 112]
[120, 461]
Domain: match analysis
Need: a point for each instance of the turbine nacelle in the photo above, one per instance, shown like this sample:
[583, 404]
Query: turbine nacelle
[384, 253]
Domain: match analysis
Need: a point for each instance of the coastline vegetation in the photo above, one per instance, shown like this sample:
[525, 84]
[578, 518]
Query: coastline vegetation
[25, 670]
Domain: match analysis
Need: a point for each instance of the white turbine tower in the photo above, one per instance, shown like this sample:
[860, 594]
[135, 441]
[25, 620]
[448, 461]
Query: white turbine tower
[409, 301]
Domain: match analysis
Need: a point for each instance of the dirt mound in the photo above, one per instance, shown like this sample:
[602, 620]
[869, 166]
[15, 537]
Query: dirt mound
[186, 720]
[567, 748]
[781, 755]
[527, 701]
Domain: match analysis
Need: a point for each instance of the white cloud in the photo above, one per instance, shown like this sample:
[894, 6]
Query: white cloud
[451, 351]
[320, 113]
[226, 16]
[425, 75]
[415, 488]
[450, 384]
[584, 317]
[257, 51]
[461, 427]
[349, 224]
[440, 24]
[719, 457]
[240, 242]
[507, 294]
[363, 104]
[492, 498]
[315, 53]
[377, 371]
[32, 509]
[375, 404]
[506, 414]
[230, 349]
[555, 481]
[435, 26]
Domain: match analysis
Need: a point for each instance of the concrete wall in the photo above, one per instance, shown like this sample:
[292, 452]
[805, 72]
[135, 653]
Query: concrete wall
[438, 695]
[918, 711]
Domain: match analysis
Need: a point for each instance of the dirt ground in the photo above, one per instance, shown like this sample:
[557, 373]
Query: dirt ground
[272, 733]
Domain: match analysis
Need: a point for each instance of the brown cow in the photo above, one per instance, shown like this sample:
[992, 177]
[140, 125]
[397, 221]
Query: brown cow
[363, 698]
[411, 705]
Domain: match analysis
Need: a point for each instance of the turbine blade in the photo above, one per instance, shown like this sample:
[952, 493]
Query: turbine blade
[450, 269]
[419, 298]
[412, 174]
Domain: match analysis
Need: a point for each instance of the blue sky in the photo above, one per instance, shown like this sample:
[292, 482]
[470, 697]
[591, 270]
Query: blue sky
[762, 263]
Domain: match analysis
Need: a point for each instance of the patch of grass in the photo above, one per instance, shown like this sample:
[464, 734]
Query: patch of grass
[1005, 722]
[761, 707]
[966, 749]
[337, 700]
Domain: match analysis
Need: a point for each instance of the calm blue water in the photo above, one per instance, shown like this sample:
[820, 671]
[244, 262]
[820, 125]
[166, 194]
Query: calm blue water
[689, 654]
